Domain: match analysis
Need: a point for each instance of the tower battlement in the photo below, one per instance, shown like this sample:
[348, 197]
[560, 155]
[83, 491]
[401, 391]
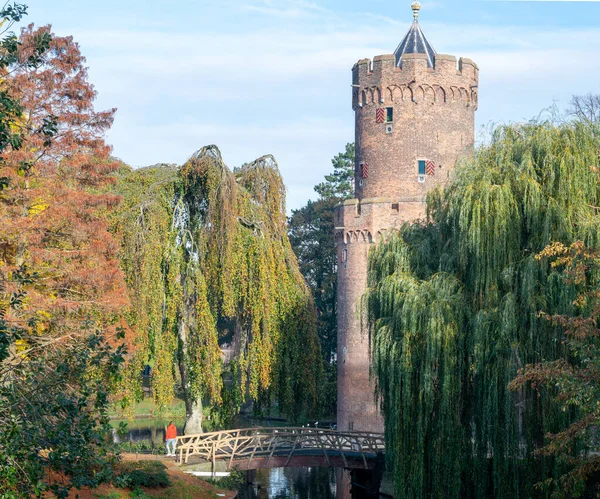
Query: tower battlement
[368, 220]
[381, 81]
[411, 109]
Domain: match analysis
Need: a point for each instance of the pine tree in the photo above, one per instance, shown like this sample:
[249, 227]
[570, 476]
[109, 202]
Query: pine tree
[311, 236]
[340, 183]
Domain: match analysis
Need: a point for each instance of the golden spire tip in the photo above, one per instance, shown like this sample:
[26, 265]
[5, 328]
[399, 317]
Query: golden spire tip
[416, 6]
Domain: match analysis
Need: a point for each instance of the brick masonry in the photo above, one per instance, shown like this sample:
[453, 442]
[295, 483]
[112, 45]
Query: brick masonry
[433, 119]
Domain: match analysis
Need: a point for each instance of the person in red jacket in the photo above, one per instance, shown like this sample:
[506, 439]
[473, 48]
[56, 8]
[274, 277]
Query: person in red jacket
[171, 438]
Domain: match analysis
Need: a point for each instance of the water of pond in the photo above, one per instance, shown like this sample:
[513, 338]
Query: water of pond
[292, 483]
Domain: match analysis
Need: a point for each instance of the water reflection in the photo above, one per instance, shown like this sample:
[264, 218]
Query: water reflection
[150, 433]
[290, 483]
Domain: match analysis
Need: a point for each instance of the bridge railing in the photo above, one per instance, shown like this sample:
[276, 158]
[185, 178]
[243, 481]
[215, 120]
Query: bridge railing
[251, 443]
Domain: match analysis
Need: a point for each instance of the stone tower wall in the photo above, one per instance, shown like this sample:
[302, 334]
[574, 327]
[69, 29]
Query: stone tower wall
[433, 119]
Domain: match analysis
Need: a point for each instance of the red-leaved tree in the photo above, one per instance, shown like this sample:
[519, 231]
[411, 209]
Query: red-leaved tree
[61, 288]
[52, 208]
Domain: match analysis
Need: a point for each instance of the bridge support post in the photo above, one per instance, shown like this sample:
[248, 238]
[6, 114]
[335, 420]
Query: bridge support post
[342, 478]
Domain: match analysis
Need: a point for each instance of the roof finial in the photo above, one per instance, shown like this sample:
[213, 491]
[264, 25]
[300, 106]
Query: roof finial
[416, 6]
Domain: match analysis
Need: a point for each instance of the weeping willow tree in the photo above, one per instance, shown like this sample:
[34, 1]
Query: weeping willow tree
[209, 264]
[454, 309]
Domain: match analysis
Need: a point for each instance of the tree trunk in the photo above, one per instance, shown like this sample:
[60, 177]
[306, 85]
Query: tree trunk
[193, 423]
[193, 407]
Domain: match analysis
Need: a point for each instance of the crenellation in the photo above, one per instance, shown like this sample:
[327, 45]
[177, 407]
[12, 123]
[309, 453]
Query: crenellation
[468, 68]
[445, 63]
[380, 81]
[383, 66]
[414, 64]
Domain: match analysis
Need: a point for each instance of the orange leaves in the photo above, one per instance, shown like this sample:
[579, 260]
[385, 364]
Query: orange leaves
[50, 219]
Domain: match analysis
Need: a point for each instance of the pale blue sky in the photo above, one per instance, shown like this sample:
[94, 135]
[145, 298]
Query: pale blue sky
[273, 76]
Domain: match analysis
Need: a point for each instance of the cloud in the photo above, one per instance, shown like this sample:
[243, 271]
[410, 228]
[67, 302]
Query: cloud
[280, 82]
[287, 8]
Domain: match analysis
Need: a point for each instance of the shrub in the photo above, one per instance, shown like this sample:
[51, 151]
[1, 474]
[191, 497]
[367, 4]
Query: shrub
[235, 481]
[150, 474]
[139, 494]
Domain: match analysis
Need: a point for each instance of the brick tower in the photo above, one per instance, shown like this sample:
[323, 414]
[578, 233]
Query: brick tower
[415, 113]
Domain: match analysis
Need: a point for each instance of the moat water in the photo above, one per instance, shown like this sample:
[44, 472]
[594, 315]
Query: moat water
[292, 483]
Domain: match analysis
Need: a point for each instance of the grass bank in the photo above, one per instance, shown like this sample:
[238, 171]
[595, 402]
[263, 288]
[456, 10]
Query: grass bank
[158, 481]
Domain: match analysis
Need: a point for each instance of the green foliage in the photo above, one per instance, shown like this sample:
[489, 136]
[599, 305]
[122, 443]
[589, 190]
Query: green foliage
[208, 261]
[454, 312]
[145, 225]
[138, 493]
[575, 377]
[311, 236]
[152, 474]
[10, 108]
[111, 495]
[340, 183]
[54, 417]
[235, 481]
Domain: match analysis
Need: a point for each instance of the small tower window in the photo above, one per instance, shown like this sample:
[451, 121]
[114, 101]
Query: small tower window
[389, 114]
[364, 170]
[421, 167]
[344, 255]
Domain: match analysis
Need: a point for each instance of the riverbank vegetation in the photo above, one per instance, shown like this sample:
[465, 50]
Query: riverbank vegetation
[483, 321]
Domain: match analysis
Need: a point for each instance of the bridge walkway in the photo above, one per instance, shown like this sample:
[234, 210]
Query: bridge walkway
[275, 447]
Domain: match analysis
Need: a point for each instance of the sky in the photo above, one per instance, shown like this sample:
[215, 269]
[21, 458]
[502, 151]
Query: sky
[262, 77]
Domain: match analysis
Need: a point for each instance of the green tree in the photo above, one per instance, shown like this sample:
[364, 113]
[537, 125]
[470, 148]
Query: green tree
[574, 379]
[208, 262]
[454, 309]
[54, 402]
[311, 235]
[340, 183]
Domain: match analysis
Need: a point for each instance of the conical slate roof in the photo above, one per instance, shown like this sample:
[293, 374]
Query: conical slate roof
[415, 42]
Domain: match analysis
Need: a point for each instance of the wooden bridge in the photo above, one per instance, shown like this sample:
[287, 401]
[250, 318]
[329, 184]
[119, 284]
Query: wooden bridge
[253, 448]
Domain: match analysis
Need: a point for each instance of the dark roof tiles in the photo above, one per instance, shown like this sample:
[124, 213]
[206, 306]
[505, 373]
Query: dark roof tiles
[415, 42]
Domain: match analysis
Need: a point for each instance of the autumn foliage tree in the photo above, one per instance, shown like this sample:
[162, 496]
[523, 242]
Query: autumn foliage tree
[575, 378]
[51, 219]
[61, 287]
